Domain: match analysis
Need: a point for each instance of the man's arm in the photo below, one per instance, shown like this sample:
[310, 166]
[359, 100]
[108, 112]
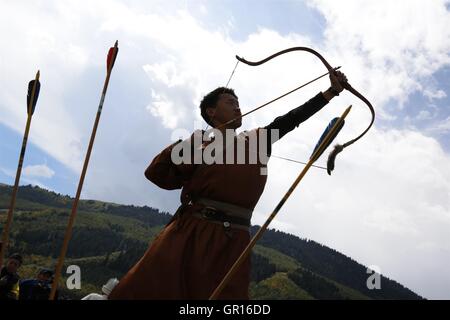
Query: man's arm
[293, 118]
[330, 93]
[168, 175]
[163, 172]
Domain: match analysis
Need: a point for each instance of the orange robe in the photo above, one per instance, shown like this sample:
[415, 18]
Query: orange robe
[190, 256]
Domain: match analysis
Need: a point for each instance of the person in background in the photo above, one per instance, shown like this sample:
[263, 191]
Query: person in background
[38, 288]
[9, 278]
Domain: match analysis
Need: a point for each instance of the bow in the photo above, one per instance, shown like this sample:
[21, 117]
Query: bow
[338, 148]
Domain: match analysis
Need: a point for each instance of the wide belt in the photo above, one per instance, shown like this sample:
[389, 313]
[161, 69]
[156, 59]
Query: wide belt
[227, 214]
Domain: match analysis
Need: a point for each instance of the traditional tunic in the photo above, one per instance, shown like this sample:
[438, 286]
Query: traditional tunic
[9, 285]
[191, 255]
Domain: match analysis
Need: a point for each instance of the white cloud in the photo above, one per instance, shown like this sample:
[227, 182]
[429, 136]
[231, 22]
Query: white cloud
[398, 44]
[203, 9]
[8, 172]
[424, 115]
[164, 72]
[434, 94]
[40, 170]
[34, 182]
[441, 127]
[388, 196]
[163, 108]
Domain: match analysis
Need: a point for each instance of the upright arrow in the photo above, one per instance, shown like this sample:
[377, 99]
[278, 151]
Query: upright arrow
[111, 58]
[34, 87]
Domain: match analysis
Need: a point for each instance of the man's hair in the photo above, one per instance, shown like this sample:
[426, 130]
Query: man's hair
[210, 101]
[17, 257]
[46, 272]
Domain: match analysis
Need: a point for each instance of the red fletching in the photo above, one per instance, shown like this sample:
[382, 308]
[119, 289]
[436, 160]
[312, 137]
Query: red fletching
[112, 54]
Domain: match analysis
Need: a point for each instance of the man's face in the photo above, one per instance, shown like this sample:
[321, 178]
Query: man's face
[43, 277]
[227, 108]
[12, 265]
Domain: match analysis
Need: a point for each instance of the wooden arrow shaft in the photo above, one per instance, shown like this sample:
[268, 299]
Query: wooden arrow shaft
[273, 100]
[73, 213]
[7, 226]
[5, 233]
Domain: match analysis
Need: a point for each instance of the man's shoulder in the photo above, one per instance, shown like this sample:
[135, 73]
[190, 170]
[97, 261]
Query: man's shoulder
[28, 282]
[255, 132]
[10, 276]
[250, 131]
[14, 277]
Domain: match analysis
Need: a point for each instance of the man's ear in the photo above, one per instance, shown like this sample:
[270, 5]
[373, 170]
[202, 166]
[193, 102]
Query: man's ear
[210, 112]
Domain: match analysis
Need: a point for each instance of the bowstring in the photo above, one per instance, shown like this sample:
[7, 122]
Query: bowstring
[228, 82]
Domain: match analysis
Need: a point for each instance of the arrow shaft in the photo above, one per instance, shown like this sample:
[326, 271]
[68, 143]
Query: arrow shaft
[5, 233]
[69, 228]
[273, 100]
[7, 226]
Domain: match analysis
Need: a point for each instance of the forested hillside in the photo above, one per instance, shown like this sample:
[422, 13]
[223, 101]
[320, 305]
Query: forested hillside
[109, 238]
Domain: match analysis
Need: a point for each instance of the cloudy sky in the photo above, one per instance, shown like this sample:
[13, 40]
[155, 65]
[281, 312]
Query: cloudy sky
[387, 203]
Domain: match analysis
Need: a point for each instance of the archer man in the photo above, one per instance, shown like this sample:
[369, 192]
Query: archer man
[210, 229]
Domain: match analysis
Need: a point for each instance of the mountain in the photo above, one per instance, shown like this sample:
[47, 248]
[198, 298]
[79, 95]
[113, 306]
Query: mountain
[109, 238]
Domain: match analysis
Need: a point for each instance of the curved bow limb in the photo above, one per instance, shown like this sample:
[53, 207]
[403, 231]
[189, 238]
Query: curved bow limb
[347, 86]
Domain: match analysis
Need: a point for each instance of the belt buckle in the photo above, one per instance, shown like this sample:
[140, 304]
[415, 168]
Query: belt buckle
[208, 212]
